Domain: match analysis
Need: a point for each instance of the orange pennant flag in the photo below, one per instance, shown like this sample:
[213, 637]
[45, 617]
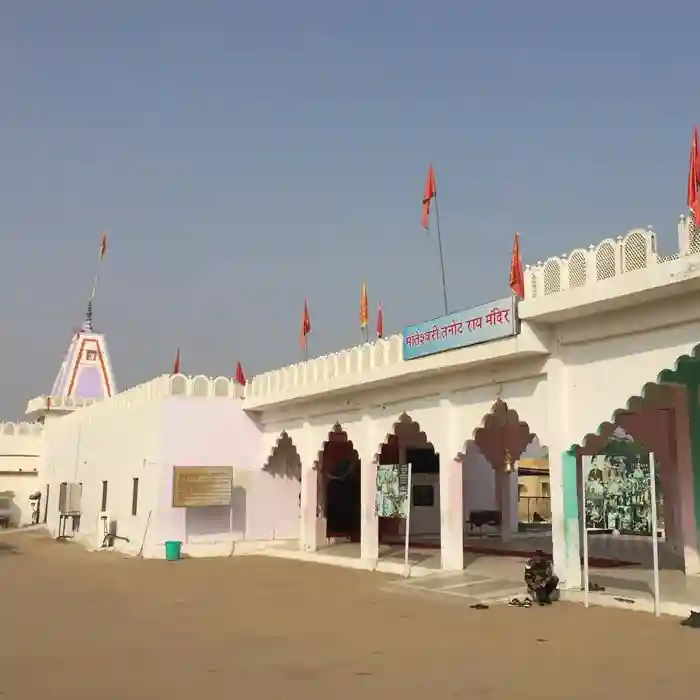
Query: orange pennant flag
[103, 246]
[428, 195]
[517, 279]
[305, 326]
[380, 321]
[364, 313]
[176, 364]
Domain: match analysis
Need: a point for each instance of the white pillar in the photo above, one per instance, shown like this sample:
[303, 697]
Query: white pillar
[451, 491]
[308, 454]
[506, 502]
[684, 483]
[562, 476]
[309, 507]
[369, 524]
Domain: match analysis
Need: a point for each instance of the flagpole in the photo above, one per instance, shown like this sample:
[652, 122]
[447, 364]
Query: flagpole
[100, 257]
[442, 260]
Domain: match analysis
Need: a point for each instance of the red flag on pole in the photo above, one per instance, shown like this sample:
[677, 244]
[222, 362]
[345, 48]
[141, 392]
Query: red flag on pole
[428, 196]
[693, 195]
[517, 279]
[380, 321]
[176, 364]
[305, 326]
[239, 378]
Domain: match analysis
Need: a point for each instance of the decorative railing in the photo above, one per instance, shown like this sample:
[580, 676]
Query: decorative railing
[204, 387]
[57, 403]
[609, 259]
[21, 429]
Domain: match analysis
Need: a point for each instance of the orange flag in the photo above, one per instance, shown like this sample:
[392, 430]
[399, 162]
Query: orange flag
[176, 364]
[364, 314]
[517, 280]
[239, 378]
[693, 195]
[429, 194]
[380, 321]
[103, 246]
[305, 326]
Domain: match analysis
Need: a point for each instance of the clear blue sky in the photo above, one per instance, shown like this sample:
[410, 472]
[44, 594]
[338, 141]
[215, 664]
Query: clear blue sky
[246, 155]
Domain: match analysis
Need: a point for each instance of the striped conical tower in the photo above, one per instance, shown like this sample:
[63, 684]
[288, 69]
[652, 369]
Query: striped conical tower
[85, 374]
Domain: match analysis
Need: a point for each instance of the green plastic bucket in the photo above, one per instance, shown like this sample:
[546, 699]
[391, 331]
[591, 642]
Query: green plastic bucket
[172, 550]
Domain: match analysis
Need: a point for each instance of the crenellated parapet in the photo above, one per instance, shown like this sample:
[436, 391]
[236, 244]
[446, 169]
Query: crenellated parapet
[353, 361]
[610, 259]
[203, 387]
[21, 447]
[607, 268]
[20, 429]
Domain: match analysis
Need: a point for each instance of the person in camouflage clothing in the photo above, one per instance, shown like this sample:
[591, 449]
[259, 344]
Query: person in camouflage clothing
[540, 578]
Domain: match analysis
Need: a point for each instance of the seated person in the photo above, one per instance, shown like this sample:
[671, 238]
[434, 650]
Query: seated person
[540, 579]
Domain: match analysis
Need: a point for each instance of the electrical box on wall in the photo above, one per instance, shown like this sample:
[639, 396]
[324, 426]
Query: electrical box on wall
[69, 497]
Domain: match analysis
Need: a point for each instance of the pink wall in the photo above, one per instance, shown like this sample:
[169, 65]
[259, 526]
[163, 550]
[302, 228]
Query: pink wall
[205, 433]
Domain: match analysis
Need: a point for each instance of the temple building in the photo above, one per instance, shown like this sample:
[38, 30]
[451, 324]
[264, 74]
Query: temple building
[606, 338]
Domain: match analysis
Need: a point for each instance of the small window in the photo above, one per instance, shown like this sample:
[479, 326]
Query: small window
[423, 496]
[104, 496]
[522, 490]
[135, 497]
[545, 489]
[91, 355]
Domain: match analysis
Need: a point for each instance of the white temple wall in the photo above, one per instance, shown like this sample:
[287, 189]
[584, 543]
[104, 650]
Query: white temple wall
[275, 496]
[206, 432]
[608, 359]
[109, 441]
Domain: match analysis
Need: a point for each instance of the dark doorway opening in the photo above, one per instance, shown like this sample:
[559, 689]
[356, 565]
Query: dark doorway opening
[343, 499]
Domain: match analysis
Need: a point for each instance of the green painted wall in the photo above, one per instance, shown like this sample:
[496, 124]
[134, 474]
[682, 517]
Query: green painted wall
[568, 477]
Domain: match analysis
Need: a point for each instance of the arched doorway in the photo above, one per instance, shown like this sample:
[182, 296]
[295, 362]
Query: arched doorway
[407, 443]
[613, 476]
[491, 484]
[339, 474]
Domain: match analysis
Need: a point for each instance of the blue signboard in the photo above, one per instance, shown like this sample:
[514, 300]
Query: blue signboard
[492, 321]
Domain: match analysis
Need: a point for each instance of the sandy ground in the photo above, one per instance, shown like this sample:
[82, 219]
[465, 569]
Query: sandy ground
[79, 625]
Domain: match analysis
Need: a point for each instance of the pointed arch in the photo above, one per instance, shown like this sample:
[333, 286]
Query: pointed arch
[336, 436]
[405, 425]
[675, 375]
[283, 443]
[517, 437]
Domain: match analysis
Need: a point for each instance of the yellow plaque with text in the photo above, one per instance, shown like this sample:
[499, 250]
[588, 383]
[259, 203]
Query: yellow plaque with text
[202, 487]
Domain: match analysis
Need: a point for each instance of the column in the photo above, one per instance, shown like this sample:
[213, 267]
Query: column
[369, 533]
[562, 476]
[683, 399]
[309, 491]
[451, 491]
[506, 503]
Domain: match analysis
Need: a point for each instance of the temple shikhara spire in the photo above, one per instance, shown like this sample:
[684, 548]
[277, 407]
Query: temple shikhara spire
[86, 371]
